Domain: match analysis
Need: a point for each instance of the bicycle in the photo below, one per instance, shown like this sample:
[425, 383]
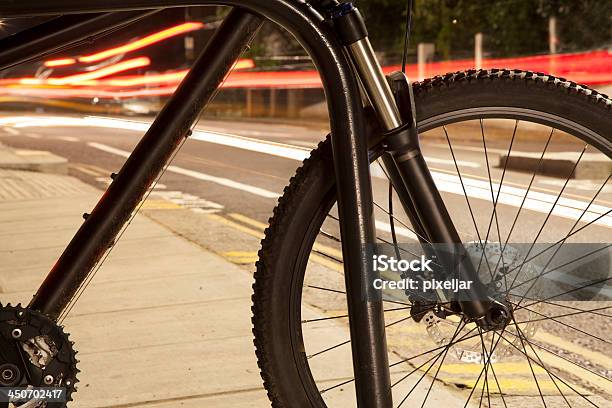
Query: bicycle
[385, 132]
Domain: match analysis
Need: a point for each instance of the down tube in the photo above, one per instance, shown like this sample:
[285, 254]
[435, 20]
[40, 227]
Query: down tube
[369, 348]
[145, 163]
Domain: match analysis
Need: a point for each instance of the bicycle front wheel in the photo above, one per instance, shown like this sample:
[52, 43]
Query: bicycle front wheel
[523, 162]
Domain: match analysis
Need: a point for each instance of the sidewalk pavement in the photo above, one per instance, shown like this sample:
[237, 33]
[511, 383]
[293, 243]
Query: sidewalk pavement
[163, 324]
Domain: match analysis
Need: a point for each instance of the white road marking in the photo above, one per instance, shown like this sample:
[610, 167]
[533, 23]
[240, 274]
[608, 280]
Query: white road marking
[187, 200]
[254, 145]
[571, 156]
[555, 277]
[11, 131]
[586, 185]
[196, 174]
[404, 232]
[460, 163]
[303, 143]
[86, 170]
[68, 138]
[536, 201]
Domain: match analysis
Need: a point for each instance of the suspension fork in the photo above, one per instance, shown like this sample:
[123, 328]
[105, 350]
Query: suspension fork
[406, 163]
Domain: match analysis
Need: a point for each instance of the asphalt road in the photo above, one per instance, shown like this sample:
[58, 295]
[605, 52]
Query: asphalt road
[235, 171]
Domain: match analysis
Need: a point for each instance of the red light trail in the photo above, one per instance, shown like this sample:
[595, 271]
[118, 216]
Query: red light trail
[143, 42]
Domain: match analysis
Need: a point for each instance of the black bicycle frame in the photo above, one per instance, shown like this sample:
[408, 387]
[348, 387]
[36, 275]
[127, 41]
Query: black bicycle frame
[84, 20]
[173, 124]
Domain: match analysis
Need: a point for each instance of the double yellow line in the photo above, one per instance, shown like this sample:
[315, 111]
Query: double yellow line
[513, 374]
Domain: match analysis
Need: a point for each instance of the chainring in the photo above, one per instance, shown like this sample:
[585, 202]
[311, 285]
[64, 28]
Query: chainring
[38, 351]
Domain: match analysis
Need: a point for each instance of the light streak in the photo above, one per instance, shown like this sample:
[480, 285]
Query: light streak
[143, 42]
[59, 62]
[88, 76]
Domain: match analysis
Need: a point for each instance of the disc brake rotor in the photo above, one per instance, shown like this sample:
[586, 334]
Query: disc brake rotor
[501, 270]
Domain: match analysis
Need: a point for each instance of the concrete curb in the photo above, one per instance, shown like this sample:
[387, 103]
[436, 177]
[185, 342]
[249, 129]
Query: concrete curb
[32, 160]
[594, 168]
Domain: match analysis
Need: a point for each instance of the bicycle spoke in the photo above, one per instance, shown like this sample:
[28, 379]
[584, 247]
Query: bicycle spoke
[566, 325]
[534, 353]
[556, 269]
[457, 331]
[435, 377]
[564, 239]
[344, 293]
[403, 224]
[346, 315]
[493, 197]
[597, 282]
[531, 369]
[336, 386]
[501, 393]
[546, 317]
[559, 241]
[533, 176]
[462, 338]
[403, 319]
[561, 357]
[550, 212]
[390, 366]
[467, 200]
[580, 311]
[330, 236]
[551, 373]
[486, 367]
[389, 213]
[328, 256]
[483, 368]
[541, 362]
[435, 356]
[384, 241]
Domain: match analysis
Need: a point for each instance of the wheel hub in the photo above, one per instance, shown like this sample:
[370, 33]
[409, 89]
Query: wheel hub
[500, 269]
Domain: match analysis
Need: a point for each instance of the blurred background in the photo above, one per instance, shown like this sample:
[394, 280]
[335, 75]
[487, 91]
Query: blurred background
[135, 70]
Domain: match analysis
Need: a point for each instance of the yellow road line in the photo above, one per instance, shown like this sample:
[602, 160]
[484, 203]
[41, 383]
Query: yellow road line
[83, 169]
[592, 356]
[241, 254]
[150, 204]
[260, 225]
[259, 234]
[550, 360]
[241, 257]
[235, 225]
[521, 386]
[84, 107]
[248, 220]
[506, 368]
